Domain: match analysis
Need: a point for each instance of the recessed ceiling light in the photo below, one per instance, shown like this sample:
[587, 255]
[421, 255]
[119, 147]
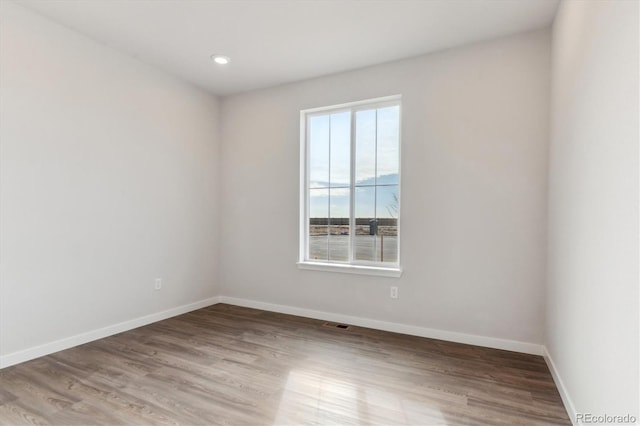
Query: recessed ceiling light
[220, 59]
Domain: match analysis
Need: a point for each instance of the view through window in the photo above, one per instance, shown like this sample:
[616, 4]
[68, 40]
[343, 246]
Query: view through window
[352, 183]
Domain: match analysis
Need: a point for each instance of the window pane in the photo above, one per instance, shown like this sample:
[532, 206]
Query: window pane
[339, 243]
[364, 237]
[339, 224]
[387, 209]
[388, 161]
[319, 151]
[340, 149]
[365, 147]
[387, 201]
[318, 224]
[339, 205]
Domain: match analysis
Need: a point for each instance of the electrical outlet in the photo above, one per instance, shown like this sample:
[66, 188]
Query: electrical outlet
[158, 284]
[393, 292]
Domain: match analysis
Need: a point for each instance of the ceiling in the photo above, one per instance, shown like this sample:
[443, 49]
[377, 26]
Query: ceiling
[272, 42]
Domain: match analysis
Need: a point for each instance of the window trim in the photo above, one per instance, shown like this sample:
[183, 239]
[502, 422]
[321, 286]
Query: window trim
[353, 267]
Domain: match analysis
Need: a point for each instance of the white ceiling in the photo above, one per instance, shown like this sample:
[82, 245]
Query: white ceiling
[272, 42]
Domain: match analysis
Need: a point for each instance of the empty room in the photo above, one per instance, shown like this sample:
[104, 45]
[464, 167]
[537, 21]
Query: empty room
[327, 212]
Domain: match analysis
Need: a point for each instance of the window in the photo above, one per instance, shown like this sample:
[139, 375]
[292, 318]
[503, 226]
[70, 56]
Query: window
[350, 187]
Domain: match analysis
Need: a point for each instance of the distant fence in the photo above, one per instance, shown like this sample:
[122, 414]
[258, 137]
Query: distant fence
[344, 221]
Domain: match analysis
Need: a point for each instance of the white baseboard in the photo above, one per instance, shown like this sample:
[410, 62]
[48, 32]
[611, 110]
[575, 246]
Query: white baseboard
[79, 339]
[489, 342]
[564, 394]
[69, 342]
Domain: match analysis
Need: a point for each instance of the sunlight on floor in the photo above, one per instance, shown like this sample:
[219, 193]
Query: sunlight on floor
[311, 397]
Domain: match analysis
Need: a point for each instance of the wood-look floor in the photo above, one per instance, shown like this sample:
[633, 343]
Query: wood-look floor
[230, 365]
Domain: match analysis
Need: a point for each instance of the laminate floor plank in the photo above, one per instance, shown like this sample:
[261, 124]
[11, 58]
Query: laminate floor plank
[228, 365]
[16, 413]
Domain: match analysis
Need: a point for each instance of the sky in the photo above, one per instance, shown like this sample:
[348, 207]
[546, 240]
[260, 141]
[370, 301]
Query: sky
[377, 160]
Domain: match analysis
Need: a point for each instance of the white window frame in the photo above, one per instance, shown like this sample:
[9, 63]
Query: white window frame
[354, 267]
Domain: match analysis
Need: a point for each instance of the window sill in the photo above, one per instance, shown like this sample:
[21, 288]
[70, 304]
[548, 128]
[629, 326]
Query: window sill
[351, 269]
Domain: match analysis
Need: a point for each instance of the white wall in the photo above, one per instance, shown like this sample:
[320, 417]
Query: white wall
[592, 301]
[108, 180]
[474, 164]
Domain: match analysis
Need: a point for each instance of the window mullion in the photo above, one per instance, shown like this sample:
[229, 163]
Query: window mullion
[352, 189]
[375, 187]
[307, 190]
[329, 199]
